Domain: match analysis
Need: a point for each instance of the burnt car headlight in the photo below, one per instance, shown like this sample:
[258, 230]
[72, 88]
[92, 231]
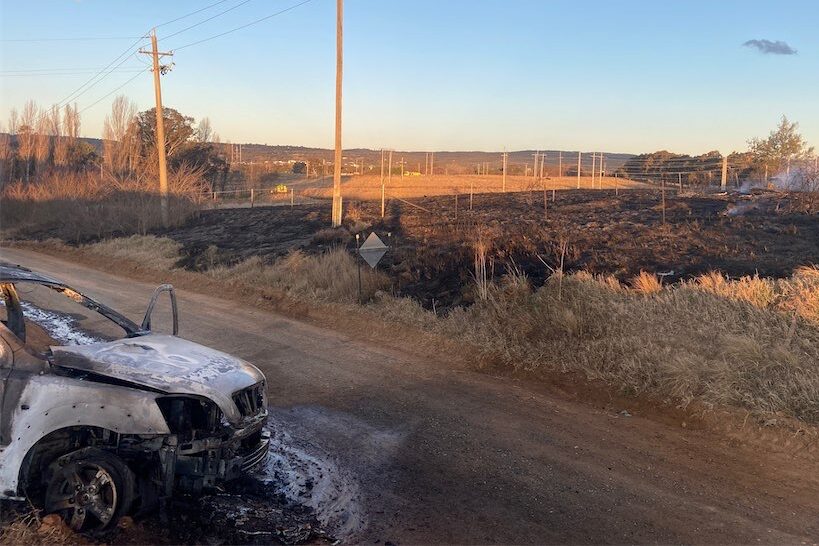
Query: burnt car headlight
[252, 400]
[190, 416]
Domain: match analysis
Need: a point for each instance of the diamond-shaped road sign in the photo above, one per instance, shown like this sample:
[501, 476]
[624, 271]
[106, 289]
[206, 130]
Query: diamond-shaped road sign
[373, 250]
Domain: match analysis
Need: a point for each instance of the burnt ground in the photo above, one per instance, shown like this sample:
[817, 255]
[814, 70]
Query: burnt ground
[432, 252]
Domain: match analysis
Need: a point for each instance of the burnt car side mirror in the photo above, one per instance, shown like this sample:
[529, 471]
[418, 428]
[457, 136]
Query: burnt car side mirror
[146, 322]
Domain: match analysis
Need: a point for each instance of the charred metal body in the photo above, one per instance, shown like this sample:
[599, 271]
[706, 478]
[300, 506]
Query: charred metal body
[104, 428]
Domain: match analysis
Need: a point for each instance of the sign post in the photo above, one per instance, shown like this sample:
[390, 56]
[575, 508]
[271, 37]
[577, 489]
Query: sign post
[371, 251]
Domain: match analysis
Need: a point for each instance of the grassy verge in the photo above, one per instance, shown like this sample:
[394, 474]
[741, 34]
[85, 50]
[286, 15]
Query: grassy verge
[750, 344]
[79, 207]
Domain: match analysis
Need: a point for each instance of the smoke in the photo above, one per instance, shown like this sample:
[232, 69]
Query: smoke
[798, 179]
[771, 48]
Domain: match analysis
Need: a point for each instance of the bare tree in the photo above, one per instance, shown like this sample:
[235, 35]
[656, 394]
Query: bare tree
[60, 141]
[118, 138]
[71, 122]
[204, 131]
[42, 147]
[5, 156]
[26, 135]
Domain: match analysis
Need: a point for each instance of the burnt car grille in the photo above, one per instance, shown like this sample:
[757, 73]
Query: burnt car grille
[250, 401]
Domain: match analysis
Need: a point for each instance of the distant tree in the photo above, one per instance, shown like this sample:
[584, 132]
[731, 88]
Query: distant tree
[119, 142]
[784, 144]
[26, 136]
[184, 144]
[299, 167]
[80, 155]
[204, 132]
[178, 131]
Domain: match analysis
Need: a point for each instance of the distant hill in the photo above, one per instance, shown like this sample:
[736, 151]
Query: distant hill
[466, 160]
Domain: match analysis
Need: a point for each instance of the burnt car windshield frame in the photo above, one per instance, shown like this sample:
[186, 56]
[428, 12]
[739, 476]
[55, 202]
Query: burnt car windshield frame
[130, 327]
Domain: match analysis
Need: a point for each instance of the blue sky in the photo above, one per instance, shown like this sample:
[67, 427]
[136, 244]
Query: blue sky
[622, 76]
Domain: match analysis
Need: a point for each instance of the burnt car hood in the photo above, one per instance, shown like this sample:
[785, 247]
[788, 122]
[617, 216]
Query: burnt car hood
[165, 363]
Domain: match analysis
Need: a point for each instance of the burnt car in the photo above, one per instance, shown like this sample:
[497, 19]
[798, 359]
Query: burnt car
[101, 417]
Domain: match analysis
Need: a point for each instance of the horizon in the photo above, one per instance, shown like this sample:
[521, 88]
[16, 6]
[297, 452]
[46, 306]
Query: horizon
[449, 80]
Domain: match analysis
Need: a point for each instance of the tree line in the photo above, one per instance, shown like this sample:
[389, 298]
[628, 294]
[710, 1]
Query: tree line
[43, 142]
[766, 157]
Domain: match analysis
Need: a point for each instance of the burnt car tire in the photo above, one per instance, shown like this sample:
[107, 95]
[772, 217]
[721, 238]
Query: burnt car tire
[89, 488]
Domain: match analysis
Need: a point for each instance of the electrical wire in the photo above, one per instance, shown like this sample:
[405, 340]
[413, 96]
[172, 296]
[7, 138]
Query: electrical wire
[285, 10]
[112, 91]
[191, 13]
[79, 72]
[240, 4]
[74, 39]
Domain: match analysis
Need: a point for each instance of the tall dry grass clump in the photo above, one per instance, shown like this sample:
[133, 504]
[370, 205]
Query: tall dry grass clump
[80, 206]
[329, 277]
[646, 283]
[156, 252]
[797, 295]
[680, 343]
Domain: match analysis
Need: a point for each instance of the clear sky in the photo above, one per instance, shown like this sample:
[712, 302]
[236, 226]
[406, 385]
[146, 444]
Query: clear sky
[625, 76]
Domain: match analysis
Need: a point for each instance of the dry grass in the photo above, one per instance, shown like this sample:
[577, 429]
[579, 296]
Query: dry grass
[679, 343]
[157, 252]
[368, 187]
[328, 277]
[31, 529]
[748, 343]
[646, 283]
[80, 206]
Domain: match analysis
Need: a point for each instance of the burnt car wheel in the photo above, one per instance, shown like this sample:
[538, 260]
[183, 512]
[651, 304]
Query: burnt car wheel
[89, 488]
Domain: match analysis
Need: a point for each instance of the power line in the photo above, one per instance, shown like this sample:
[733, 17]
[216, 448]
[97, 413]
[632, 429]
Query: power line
[77, 39]
[189, 14]
[104, 38]
[77, 92]
[119, 71]
[27, 70]
[112, 92]
[285, 10]
[202, 22]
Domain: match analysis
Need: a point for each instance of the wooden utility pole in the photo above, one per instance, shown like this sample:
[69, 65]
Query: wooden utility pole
[602, 171]
[389, 169]
[594, 157]
[337, 161]
[559, 165]
[578, 170]
[534, 168]
[432, 164]
[505, 161]
[160, 130]
[382, 183]
[724, 182]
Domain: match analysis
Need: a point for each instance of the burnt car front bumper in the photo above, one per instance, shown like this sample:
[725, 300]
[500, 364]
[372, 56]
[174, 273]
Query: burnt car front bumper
[206, 463]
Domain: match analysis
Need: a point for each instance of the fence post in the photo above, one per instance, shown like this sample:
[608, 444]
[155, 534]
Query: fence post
[252, 196]
[663, 194]
[471, 191]
[292, 197]
[456, 206]
[545, 203]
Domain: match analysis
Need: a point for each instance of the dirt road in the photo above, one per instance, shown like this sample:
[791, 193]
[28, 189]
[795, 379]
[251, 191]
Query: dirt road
[431, 452]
